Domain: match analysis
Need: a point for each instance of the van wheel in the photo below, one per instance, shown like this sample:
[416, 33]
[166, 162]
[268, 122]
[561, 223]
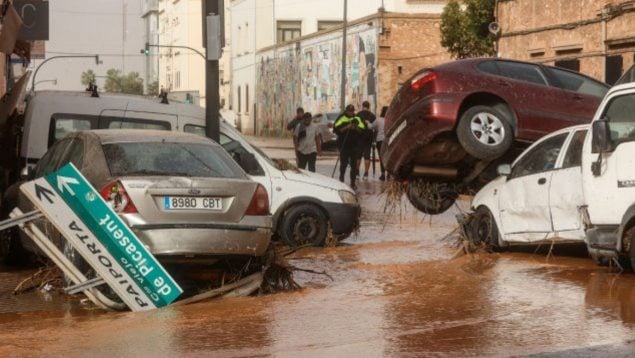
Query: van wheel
[484, 132]
[629, 238]
[483, 229]
[303, 225]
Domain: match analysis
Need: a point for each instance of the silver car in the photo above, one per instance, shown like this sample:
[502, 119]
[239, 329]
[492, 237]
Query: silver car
[182, 194]
[325, 122]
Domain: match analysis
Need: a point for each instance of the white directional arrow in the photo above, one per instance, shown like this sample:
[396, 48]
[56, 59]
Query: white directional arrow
[63, 183]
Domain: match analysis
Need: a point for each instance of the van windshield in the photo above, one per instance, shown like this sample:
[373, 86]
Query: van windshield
[620, 113]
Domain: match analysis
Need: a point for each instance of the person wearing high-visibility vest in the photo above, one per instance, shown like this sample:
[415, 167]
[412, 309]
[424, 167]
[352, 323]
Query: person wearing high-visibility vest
[349, 128]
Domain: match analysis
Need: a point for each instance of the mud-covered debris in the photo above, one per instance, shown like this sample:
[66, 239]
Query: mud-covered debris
[283, 164]
[49, 277]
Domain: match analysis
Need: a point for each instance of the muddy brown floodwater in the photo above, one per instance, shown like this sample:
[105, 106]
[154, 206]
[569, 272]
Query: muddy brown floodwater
[395, 292]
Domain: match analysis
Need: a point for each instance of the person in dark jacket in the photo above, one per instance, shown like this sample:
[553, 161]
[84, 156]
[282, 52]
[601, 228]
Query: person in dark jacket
[367, 137]
[349, 128]
[299, 114]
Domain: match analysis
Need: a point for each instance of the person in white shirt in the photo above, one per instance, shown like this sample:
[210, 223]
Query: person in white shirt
[306, 139]
[378, 127]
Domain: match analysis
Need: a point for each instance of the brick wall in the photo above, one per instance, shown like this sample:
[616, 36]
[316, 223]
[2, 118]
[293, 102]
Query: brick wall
[548, 31]
[407, 44]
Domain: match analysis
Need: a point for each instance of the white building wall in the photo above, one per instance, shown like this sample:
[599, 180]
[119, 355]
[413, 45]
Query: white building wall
[243, 48]
[113, 29]
[261, 17]
[184, 70]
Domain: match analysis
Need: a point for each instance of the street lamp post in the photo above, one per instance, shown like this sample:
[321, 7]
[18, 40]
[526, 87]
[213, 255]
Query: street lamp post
[96, 57]
[148, 45]
[54, 81]
[343, 74]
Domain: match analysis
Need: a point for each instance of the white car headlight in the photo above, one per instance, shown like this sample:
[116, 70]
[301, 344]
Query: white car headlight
[348, 197]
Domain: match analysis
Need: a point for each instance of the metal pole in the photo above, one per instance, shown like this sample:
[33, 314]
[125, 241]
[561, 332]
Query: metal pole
[212, 100]
[343, 79]
[96, 57]
[179, 46]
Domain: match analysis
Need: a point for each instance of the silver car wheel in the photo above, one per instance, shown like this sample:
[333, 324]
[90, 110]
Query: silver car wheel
[487, 129]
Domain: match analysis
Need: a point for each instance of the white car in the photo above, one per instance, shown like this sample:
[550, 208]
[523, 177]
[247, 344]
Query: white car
[538, 198]
[305, 205]
[307, 208]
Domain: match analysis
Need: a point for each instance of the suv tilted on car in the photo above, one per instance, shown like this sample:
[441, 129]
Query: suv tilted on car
[448, 126]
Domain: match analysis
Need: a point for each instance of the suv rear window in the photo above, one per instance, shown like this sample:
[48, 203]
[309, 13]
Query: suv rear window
[170, 159]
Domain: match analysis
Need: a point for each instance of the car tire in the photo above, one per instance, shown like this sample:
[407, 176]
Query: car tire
[630, 235]
[78, 261]
[483, 229]
[484, 132]
[302, 225]
[431, 202]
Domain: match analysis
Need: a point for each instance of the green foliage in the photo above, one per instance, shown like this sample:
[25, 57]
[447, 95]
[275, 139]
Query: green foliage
[464, 29]
[88, 77]
[119, 83]
[153, 89]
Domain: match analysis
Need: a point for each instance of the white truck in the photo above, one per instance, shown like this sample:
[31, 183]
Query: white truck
[608, 176]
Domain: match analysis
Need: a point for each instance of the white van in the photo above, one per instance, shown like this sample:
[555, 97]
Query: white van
[307, 208]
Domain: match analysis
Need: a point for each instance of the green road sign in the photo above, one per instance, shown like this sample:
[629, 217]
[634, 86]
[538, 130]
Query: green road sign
[150, 280]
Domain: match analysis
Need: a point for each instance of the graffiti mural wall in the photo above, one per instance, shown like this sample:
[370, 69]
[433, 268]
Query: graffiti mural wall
[308, 74]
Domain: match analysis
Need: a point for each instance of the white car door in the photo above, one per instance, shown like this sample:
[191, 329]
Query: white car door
[524, 199]
[565, 193]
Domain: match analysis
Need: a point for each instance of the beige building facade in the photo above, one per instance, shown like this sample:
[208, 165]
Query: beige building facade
[595, 37]
[182, 71]
[383, 50]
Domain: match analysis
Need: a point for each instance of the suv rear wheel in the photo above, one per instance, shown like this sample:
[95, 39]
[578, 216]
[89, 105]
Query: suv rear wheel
[429, 197]
[484, 132]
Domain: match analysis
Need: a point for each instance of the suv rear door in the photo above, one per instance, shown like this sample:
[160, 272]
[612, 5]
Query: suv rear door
[581, 95]
[537, 105]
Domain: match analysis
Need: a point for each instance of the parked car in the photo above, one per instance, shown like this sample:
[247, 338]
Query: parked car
[537, 198]
[182, 194]
[306, 207]
[325, 122]
[447, 128]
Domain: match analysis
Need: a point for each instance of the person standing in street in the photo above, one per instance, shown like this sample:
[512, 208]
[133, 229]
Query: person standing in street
[366, 139]
[378, 129]
[291, 125]
[349, 128]
[306, 140]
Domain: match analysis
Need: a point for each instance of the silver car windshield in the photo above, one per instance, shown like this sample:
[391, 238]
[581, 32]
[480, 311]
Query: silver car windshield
[170, 159]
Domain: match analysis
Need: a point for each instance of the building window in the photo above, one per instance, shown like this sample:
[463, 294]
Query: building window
[246, 98]
[177, 80]
[613, 69]
[324, 25]
[288, 30]
[246, 42]
[239, 99]
[239, 41]
[573, 65]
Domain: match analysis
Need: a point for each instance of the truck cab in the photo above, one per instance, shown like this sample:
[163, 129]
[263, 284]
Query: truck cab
[608, 176]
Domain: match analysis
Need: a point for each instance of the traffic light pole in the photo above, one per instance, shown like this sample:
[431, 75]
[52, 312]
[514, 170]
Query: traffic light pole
[212, 100]
[148, 45]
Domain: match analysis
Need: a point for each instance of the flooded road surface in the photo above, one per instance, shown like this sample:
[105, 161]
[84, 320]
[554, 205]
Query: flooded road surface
[396, 291]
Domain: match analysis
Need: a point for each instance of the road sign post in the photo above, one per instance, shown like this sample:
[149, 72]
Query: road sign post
[77, 211]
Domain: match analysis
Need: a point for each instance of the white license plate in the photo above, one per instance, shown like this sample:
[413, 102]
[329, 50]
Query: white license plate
[192, 203]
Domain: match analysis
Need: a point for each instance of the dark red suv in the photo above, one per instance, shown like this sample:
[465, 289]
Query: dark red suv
[447, 126]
